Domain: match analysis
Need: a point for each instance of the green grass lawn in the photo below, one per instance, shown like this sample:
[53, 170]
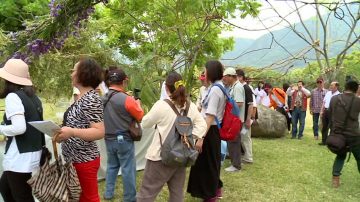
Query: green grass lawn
[283, 170]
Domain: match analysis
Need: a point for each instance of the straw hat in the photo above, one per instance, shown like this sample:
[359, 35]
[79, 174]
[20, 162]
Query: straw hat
[16, 71]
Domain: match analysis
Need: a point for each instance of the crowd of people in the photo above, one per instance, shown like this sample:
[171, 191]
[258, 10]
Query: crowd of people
[92, 117]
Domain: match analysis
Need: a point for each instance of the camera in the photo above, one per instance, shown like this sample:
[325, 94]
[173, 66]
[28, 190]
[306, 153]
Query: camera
[137, 93]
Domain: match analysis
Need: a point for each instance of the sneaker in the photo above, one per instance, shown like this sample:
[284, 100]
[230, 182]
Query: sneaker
[231, 169]
[322, 144]
[316, 137]
[108, 198]
[246, 162]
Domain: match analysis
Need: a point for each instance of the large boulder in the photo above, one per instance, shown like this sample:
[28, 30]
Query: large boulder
[270, 123]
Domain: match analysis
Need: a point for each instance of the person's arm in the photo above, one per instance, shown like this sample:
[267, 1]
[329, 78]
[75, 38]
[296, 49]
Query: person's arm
[322, 107]
[14, 110]
[249, 100]
[94, 113]
[331, 112]
[289, 91]
[200, 125]
[306, 92]
[95, 132]
[134, 108]
[152, 117]
[272, 102]
[209, 120]
[239, 95]
[17, 127]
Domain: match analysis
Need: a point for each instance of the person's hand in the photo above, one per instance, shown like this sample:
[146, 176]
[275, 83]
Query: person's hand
[138, 101]
[199, 144]
[311, 112]
[63, 134]
[248, 123]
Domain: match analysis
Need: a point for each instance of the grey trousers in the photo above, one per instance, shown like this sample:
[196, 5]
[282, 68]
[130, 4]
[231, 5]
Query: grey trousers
[247, 146]
[234, 148]
[156, 174]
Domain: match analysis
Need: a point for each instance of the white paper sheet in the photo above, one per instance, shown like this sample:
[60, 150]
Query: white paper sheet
[47, 127]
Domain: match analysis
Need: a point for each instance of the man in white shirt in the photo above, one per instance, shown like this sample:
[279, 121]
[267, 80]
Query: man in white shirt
[324, 113]
[236, 91]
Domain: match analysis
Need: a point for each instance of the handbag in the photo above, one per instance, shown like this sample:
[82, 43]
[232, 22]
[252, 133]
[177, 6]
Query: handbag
[135, 129]
[55, 181]
[336, 141]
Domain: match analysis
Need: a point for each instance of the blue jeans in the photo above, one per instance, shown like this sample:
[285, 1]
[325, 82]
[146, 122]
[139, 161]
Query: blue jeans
[121, 154]
[298, 116]
[316, 124]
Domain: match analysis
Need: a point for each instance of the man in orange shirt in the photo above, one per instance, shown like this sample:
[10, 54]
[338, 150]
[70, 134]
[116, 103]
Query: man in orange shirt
[120, 111]
[278, 100]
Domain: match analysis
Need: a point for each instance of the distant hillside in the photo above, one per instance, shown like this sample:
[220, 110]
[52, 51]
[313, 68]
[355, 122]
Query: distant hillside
[288, 39]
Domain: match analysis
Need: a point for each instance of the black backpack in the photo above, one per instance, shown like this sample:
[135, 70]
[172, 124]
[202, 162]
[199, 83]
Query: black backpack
[178, 148]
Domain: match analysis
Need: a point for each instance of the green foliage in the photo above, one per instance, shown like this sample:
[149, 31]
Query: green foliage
[309, 74]
[51, 72]
[162, 36]
[155, 37]
[14, 12]
[352, 65]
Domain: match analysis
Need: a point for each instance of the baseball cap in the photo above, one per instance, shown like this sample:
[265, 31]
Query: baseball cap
[229, 71]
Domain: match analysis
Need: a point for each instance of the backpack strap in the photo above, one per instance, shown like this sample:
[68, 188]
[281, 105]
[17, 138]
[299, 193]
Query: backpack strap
[223, 90]
[112, 94]
[228, 99]
[187, 107]
[172, 107]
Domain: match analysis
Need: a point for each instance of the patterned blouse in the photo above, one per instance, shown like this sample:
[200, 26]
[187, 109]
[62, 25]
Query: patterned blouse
[88, 109]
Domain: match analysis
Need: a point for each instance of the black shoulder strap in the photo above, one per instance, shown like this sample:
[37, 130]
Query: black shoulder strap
[112, 94]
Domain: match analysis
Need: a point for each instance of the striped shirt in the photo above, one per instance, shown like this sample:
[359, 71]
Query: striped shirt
[88, 109]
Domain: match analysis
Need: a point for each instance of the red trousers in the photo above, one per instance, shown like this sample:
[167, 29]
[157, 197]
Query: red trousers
[87, 174]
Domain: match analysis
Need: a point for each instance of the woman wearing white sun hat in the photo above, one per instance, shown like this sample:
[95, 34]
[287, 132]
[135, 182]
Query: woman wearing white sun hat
[24, 143]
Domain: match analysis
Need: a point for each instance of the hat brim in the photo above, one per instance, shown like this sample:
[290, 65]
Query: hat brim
[15, 79]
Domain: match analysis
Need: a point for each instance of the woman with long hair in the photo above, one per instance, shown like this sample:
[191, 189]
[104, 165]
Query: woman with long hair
[162, 116]
[260, 93]
[24, 143]
[204, 180]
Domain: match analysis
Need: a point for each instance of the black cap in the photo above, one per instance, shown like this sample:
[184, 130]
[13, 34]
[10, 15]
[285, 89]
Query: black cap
[116, 75]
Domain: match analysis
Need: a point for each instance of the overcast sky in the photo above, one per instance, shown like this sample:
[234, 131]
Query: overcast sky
[269, 18]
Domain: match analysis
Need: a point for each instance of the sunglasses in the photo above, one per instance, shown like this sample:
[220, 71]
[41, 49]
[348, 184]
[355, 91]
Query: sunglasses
[319, 82]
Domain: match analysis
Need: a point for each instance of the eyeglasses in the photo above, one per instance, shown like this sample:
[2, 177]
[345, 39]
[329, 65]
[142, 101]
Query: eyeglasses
[319, 82]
